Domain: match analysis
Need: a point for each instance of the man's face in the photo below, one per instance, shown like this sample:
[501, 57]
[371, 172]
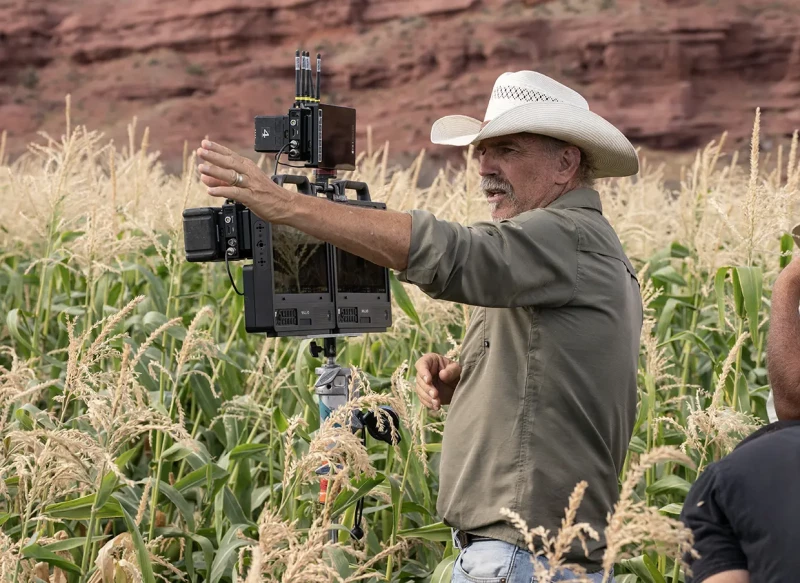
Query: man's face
[518, 173]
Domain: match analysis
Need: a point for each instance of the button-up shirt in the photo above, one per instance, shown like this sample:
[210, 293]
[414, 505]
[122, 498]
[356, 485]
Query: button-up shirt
[547, 395]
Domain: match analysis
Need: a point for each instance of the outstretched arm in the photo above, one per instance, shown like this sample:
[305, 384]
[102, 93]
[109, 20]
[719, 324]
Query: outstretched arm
[529, 261]
[783, 344]
[382, 237]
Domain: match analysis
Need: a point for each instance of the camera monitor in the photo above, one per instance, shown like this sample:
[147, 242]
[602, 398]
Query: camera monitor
[288, 287]
[361, 290]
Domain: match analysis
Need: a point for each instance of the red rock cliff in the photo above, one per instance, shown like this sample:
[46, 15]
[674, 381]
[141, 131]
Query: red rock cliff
[670, 73]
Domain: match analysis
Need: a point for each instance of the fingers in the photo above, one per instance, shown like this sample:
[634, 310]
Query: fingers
[428, 395]
[215, 147]
[451, 373]
[215, 176]
[221, 156]
[231, 192]
[426, 367]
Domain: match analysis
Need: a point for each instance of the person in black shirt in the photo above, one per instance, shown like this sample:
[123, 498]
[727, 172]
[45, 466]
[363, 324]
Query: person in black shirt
[744, 510]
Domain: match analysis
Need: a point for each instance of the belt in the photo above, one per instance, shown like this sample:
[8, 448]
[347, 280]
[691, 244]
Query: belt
[463, 539]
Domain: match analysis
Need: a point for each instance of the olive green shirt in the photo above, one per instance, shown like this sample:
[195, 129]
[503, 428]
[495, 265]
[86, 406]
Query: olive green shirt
[547, 395]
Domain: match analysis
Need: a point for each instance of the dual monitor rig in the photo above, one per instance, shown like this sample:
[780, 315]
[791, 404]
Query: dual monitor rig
[297, 285]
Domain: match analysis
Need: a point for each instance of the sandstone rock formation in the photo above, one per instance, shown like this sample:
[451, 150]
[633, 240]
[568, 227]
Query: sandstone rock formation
[670, 73]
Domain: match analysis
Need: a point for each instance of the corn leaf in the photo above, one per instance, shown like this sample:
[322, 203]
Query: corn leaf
[672, 508]
[639, 568]
[749, 281]
[403, 300]
[39, 553]
[362, 488]
[671, 483]
[157, 291]
[145, 563]
[654, 572]
[340, 561]
[742, 394]
[227, 553]
[279, 420]
[444, 571]
[72, 543]
[106, 489]
[186, 510]
[434, 532]
[128, 455]
[208, 473]
[247, 450]
[787, 246]
[17, 327]
[719, 290]
[81, 509]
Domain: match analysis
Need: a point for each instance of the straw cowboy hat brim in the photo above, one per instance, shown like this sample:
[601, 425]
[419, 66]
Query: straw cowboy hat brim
[527, 101]
[608, 149]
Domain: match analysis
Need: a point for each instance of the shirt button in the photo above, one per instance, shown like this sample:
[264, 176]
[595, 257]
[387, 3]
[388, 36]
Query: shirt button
[486, 344]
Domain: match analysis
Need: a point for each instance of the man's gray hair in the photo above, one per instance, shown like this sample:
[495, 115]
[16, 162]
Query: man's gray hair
[585, 171]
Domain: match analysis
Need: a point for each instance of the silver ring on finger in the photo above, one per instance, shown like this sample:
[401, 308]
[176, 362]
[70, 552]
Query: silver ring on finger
[238, 180]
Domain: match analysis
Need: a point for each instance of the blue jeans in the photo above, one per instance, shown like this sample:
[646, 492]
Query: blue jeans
[495, 561]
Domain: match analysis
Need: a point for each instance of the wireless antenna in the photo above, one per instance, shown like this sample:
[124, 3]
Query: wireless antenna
[303, 85]
[319, 73]
[297, 88]
[309, 87]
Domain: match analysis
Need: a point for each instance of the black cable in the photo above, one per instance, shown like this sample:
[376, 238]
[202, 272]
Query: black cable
[358, 532]
[291, 165]
[230, 276]
[277, 159]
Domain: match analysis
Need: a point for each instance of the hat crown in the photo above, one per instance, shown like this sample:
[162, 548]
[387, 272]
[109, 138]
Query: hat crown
[515, 89]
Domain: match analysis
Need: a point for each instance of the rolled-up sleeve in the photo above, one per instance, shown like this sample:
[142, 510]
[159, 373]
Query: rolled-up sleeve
[531, 260]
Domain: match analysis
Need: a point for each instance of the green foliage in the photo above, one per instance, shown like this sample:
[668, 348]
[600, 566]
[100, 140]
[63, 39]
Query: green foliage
[144, 366]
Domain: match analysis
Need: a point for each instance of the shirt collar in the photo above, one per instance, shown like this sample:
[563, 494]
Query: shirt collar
[771, 428]
[586, 198]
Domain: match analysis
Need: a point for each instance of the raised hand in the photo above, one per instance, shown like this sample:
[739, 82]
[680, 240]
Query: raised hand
[229, 175]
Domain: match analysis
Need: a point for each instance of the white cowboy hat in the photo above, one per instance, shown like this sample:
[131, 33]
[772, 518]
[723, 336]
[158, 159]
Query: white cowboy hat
[527, 101]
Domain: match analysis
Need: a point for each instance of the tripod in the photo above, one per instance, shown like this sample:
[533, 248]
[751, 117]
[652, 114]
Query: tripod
[335, 388]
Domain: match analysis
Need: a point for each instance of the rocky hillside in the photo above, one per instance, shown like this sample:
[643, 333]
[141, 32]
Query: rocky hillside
[671, 73]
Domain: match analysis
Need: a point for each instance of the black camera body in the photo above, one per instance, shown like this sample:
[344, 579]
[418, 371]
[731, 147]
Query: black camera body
[297, 285]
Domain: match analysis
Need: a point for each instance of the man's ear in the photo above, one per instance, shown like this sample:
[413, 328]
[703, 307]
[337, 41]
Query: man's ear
[568, 164]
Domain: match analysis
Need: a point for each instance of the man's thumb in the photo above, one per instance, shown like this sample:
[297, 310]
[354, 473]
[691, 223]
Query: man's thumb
[447, 374]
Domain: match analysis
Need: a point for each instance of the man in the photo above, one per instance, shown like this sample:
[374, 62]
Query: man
[744, 510]
[545, 393]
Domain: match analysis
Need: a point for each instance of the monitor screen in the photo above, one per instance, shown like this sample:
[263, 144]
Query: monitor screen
[300, 262]
[356, 275]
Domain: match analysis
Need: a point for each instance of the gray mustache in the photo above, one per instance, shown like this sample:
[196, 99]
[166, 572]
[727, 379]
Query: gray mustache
[492, 183]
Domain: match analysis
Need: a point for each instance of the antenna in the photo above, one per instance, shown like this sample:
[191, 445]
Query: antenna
[303, 80]
[309, 88]
[297, 88]
[319, 73]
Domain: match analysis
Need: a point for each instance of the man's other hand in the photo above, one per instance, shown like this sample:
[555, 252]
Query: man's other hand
[437, 377]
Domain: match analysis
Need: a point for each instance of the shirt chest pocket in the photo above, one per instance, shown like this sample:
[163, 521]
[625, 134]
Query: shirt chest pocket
[475, 342]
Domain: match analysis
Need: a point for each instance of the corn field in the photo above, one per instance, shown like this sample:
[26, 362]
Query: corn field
[146, 436]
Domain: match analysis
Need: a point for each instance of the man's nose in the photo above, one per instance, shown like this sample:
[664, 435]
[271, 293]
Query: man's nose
[487, 166]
